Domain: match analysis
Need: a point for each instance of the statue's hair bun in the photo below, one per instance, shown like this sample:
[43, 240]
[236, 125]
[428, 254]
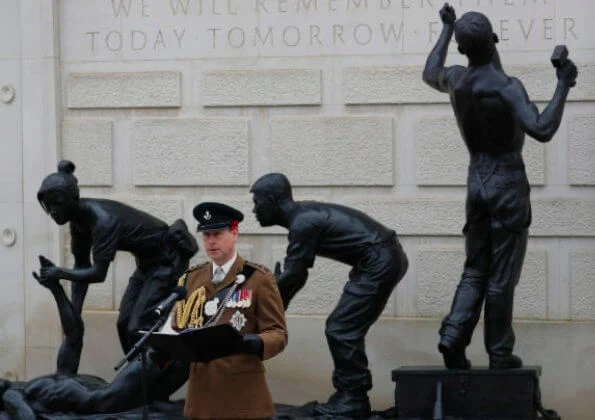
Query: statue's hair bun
[66, 166]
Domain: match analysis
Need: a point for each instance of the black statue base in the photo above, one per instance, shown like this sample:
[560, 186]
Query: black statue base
[159, 410]
[305, 412]
[437, 393]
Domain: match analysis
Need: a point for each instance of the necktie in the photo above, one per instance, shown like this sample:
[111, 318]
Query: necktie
[218, 276]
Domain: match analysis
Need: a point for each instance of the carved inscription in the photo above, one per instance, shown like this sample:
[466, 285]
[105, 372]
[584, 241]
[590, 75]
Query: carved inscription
[204, 28]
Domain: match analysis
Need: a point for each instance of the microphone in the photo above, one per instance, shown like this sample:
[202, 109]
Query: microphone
[178, 293]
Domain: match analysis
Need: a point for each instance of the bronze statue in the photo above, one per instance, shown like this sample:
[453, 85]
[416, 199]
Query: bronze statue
[494, 113]
[98, 229]
[351, 237]
[65, 395]
[69, 396]
[74, 397]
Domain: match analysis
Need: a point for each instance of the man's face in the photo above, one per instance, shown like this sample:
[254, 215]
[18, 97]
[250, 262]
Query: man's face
[264, 209]
[59, 206]
[220, 245]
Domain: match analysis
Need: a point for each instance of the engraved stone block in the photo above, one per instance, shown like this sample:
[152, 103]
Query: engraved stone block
[581, 150]
[124, 90]
[333, 150]
[582, 290]
[261, 87]
[206, 151]
[89, 145]
[388, 85]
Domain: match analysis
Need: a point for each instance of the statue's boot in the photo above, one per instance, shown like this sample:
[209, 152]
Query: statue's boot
[454, 358]
[508, 361]
[344, 405]
[4, 386]
[16, 407]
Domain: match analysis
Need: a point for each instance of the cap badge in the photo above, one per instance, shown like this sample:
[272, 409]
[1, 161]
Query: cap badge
[207, 215]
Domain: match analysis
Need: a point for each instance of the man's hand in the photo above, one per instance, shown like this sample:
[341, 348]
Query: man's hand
[567, 73]
[252, 344]
[447, 14]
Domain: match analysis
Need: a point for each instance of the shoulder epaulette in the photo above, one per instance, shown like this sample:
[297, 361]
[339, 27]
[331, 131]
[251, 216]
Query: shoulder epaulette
[197, 267]
[259, 267]
[182, 279]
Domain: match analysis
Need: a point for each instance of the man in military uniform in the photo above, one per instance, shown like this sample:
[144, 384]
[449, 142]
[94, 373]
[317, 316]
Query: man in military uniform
[351, 237]
[494, 113]
[229, 289]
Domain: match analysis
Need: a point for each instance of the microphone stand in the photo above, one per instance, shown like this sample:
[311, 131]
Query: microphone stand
[139, 349]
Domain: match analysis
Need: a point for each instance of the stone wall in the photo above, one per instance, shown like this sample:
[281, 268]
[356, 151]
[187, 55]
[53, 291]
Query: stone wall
[168, 103]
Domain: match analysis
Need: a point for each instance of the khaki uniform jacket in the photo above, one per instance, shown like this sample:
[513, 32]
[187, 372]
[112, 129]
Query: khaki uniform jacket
[235, 386]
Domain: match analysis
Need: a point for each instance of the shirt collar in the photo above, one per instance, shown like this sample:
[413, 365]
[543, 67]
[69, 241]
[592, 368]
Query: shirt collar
[227, 266]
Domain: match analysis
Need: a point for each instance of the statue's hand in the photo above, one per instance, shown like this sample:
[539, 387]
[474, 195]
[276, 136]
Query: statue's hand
[567, 73]
[447, 14]
[45, 262]
[278, 271]
[62, 394]
[49, 272]
[43, 278]
[52, 273]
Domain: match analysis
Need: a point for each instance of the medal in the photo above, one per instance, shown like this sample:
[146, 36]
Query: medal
[238, 320]
[240, 299]
[211, 307]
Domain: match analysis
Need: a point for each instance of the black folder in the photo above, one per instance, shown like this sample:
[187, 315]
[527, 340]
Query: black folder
[198, 344]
